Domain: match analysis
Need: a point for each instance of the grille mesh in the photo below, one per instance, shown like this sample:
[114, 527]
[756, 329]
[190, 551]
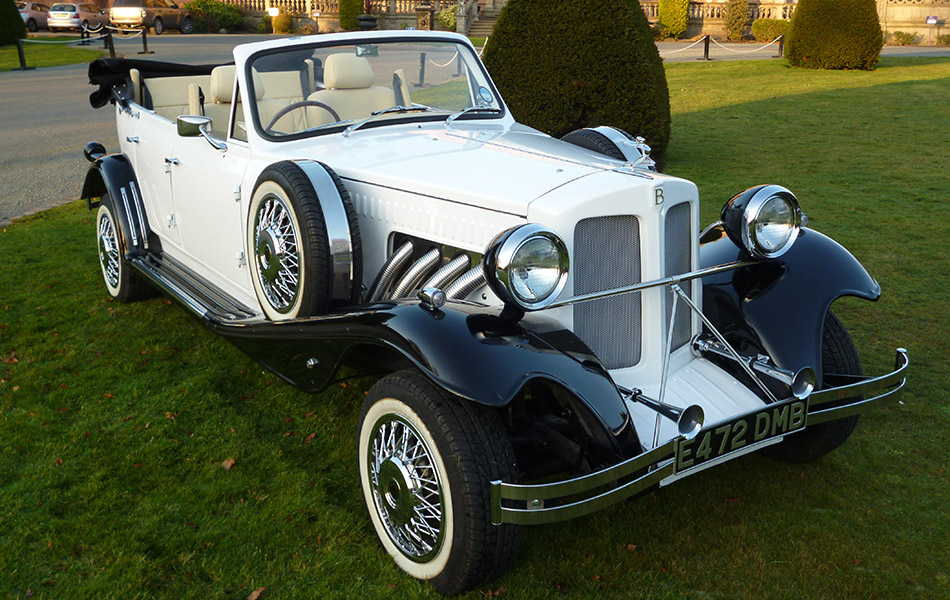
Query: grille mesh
[607, 255]
[676, 254]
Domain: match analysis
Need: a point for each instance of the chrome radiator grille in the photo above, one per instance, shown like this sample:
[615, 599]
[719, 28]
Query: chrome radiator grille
[676, 259]
[607, 255]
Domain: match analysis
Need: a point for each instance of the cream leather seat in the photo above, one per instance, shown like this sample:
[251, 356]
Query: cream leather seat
[349, 90]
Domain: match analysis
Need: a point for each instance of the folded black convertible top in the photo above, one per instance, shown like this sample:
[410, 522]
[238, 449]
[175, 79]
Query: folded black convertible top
[106, 72]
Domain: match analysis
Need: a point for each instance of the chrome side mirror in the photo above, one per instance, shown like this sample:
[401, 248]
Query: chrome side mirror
[195, 126]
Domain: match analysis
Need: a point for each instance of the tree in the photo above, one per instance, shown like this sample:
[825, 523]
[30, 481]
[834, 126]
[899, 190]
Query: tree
[835, 34]
[737, 19]
[674, 16]
[11, 25]
[600, 68]
[349, 10]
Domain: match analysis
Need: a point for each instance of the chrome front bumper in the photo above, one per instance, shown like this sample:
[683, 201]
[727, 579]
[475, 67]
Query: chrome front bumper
[525, 504]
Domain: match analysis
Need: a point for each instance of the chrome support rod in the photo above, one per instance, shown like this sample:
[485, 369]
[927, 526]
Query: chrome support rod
[735, 355]
[664, 374]
[637, 287]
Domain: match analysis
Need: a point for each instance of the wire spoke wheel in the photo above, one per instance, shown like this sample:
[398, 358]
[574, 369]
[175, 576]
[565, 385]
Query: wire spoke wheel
[407, 487]
[109, 251]
[122, 282]
[276, 250]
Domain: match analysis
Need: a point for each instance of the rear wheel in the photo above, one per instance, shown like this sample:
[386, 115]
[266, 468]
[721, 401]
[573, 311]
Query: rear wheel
[838, 357]
[31, 25]
[426, 460]
[157, 26]
[187, 26]
[122, 281]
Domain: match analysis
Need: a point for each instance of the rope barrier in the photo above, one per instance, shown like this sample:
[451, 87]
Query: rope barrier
[683, 49]
[773, 42]
[451, 60]
[76, 41]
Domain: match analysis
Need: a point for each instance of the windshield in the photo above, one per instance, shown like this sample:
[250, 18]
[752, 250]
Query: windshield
[301, 91]
[64, 7]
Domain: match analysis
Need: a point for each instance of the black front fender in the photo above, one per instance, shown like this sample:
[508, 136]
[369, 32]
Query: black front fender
[778, 306]
[468, 350]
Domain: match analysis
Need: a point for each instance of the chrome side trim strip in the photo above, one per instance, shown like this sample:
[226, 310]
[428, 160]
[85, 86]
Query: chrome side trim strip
[338, 229]
[637, 287]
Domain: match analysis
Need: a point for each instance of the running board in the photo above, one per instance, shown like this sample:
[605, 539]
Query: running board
[182, 284]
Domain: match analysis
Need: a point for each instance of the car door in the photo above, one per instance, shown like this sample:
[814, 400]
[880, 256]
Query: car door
[206, 191]
[151, 147]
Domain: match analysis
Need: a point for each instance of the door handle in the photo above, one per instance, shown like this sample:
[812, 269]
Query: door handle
[172, 161]
[132, 139]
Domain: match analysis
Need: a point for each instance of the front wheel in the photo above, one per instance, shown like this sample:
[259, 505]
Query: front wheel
[187, 26]
[157, 26]
[426, 460]
[31, 25]
[838, 357]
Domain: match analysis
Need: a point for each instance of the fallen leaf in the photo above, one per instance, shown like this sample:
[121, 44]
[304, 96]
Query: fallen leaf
[171, 415]
[310, 437]
[631, 548]
[391, 586]
[108, 396]
[732, 500]
[226, 465]
[192, 525]
[256, 593]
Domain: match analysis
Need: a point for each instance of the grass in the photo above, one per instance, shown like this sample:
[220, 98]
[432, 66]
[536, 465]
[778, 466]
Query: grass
[48, 55]
[115, 419]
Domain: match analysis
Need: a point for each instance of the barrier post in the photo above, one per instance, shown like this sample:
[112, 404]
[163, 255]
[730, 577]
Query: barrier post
[108, 44]
[422, 69]
[145, 42]
[84, 36]
[22, 57]
[781, 47]
[705, 49]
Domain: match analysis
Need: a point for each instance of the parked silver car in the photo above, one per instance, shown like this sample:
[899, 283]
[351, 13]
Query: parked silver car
[33, 14]
[157, 14]
[76, 16]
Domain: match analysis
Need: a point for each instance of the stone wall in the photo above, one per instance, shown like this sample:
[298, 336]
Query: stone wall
[706, 16]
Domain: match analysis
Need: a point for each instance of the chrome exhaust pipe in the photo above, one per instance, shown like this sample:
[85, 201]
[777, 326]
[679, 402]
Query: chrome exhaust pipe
[801, 382]
[392, 266]
[466, 284]
[416, 273]
[689, 420]
[450, 272]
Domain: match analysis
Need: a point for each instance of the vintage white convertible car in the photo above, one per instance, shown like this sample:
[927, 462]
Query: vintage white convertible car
[536, 309]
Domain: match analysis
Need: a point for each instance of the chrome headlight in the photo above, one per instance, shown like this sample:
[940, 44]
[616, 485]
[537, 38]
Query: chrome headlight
[527, 266]
[765, 220]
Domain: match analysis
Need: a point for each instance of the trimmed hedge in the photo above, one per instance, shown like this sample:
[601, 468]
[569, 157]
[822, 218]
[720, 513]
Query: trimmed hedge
[736, 19]
[283, 24]
[834, 34]
[766, 30]
[11, 24]
[674, 17]
[212, 16]
[349, 10]
[558, 74]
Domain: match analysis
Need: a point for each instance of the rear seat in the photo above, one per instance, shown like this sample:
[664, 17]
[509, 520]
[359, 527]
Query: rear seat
[172, 97]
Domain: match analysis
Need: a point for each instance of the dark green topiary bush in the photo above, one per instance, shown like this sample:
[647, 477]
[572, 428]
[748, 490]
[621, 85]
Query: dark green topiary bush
[212, 16]
[766, 30]
[11, 25]
[560, 74]
[737, 19]
[834, 34]
[349, 10]
[674, 17]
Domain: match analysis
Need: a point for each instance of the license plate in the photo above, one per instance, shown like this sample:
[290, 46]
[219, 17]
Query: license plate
[720, 439]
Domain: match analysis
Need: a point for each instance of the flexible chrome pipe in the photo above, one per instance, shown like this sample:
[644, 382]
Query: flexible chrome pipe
[416, 273]
[449, 272]
[390, 268]
[466, 284]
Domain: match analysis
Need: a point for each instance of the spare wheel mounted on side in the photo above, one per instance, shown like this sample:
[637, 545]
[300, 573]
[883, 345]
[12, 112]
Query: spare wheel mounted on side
[303, 241]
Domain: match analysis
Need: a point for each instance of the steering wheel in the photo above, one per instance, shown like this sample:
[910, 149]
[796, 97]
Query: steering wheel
[300, 104]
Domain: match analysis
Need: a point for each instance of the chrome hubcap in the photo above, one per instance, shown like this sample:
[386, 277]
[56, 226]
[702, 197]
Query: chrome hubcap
[276, 252]
[407, 488]
[108, 252]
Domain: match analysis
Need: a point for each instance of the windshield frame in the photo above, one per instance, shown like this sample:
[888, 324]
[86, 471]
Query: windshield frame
[333, 128]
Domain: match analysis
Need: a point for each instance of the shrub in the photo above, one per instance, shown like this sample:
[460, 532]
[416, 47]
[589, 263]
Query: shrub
[11, 25]
[674, 16]
[558, 75]
[766, 30]
[448, 17]
[264, 25]
[349, 10]
[283, 24]
[902, 38]
[834, 34]
[211, 15]
[736, 19]
[943, 40]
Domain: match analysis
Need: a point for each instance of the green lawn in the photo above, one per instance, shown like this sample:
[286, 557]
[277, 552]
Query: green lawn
[43, 54]
[115, 419]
